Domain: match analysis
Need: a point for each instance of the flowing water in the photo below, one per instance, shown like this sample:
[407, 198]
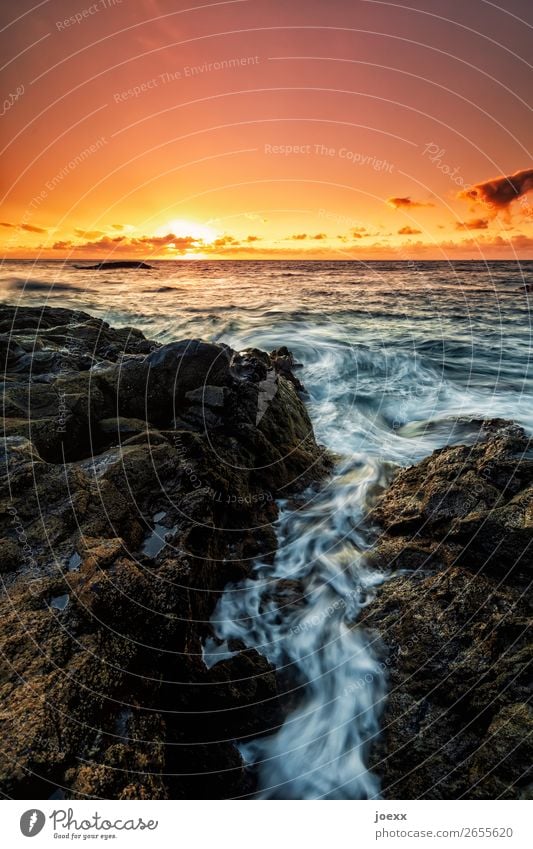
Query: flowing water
[398, 359]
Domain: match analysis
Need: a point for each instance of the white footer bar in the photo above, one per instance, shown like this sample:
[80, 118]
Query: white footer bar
[269, 824]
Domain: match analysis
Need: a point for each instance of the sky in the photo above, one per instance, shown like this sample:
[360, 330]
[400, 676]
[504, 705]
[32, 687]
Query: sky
[266, 129]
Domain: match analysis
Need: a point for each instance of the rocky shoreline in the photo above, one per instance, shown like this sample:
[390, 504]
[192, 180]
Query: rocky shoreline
[139, 479]
[453, 622]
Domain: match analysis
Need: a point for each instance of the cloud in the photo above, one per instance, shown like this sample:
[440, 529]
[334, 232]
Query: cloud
[473, 224]
[300, 237]
[499, 192]
[155, 243]
[224, 241]
[484, 246]
[253, 239]
[406, 203]
[104, 244]
[360, 233]
[117, 226]
[31, 229]
[141, 245]
[522, 242]
[89, 234]
[28, 227]
[409, 231]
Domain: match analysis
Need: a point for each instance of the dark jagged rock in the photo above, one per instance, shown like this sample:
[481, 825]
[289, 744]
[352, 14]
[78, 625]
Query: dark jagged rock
[131, 474]
[284, 363]
[110, 266]
[454, 621]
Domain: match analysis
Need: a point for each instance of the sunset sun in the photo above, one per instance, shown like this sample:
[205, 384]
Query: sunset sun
[183, 229]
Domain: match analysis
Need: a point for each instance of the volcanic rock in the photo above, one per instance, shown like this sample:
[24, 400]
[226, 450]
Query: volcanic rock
[109, 453]
[452, 622]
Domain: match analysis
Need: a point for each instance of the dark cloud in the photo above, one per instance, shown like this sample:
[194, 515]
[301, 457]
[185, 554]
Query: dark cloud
[406, 203]
[409, 231]
[28, 227]
[473, 224]
[299, 237]
[31, 229]
[499, 192]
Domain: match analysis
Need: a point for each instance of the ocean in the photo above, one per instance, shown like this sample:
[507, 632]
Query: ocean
[399, 359]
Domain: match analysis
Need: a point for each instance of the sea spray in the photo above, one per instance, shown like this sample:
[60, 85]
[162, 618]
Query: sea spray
[320, 751]
[360, 398]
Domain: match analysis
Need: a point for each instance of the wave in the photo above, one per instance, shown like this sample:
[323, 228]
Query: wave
[35, 285]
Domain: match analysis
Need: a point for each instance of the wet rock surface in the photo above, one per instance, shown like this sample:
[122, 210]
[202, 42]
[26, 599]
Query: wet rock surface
[453, 622]
[137, 480]
[110, 266]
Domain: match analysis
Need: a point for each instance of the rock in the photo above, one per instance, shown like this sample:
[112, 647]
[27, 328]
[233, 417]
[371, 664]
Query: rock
[12, 555]
[62, 370]
[284, 363]
[100, 552]
[478, 498]
[508, 744]
[110, 266]
[106, 694]
[76, 336]
[121, 429]
[208, 396]
[453, 621]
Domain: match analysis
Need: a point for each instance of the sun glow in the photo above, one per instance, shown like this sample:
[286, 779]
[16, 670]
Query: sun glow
[183, 229]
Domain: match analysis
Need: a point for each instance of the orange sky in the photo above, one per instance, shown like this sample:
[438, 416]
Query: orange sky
[266, 129]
